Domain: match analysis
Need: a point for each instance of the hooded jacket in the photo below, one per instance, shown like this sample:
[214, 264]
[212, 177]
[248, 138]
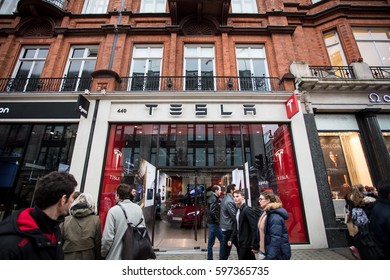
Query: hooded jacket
[82, 235]
[277, 246]
[30, 235]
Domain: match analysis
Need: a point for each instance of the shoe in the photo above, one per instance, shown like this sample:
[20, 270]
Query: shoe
[355, 252]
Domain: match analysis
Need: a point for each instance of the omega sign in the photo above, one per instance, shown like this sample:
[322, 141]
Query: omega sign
[376, 98]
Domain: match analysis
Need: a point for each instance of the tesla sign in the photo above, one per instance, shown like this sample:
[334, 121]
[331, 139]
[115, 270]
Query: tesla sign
[292, 106]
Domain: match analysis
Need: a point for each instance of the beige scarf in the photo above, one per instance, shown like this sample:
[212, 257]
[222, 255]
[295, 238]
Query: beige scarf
[261, 225]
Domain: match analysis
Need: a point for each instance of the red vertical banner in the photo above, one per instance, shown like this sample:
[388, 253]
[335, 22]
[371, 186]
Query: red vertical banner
[287, 184]
[292, 106]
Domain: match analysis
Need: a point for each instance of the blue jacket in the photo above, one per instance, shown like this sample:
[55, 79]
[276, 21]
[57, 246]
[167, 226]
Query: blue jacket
[277, 246]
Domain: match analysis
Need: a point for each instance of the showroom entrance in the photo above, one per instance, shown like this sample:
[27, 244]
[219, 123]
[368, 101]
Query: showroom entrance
[180, 219]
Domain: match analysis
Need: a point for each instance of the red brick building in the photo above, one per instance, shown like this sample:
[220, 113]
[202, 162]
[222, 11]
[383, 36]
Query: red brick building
[180, 95]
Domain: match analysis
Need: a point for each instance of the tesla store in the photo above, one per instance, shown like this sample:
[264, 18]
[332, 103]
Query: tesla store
[179, 147]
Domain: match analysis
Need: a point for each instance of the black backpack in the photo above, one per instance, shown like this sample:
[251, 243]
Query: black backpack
[136, 242]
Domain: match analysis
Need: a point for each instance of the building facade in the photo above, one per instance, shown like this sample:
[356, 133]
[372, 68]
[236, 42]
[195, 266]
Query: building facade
[179, 95]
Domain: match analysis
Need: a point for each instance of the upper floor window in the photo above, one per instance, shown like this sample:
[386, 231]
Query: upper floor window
[146, 67]
[315, 1]
[335, 51]
[153, 6]
[95, 6]
[244, 6]
[252, 68]
[8, 6]
[199, 67]
[374, 45]
[81, 64]
[28, 70]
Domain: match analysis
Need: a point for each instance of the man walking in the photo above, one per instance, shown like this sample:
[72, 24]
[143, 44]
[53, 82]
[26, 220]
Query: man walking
[228, 221]
[213, 213]
[245, 230]
[34, 233]
[116, 223]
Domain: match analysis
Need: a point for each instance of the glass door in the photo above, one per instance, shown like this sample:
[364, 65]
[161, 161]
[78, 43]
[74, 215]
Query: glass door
[180, 221]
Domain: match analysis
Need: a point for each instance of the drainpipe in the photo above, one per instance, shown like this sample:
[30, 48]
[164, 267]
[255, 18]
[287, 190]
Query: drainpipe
[116, 35]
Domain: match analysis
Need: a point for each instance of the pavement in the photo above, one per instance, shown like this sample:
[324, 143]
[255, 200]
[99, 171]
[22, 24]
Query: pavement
[342, 253]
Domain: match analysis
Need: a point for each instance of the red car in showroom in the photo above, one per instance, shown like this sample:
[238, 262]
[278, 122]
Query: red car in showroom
[186, 215]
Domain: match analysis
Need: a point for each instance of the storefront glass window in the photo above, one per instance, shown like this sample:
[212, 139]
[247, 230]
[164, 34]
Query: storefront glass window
[256, 157]
[28, 152]
[345, 165]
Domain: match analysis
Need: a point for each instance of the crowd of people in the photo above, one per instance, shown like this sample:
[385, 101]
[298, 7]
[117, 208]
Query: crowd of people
[63, 224]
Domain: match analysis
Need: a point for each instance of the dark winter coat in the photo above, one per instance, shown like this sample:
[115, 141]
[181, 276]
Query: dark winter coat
[213, 210]
[380, 224]
[277, 246]
[30, 235]
[247, 235]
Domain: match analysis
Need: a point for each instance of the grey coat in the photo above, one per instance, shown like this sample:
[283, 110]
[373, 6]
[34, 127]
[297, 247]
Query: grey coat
[228, 213]
[116, 226]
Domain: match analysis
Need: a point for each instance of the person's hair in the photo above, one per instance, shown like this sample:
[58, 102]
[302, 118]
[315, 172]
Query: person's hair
[270, 196]
[384, 189]
[239, 192]
[124, 191]
[215, 188]
[84, 200]
[230, 188]
[51, 187]
[356, 195]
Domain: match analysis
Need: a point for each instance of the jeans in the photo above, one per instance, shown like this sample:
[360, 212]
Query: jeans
[214, 231]
[225, 247]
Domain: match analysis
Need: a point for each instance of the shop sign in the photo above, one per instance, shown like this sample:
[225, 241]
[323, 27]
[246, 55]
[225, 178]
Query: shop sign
[202, 110]
[38, 110]
[376, 98]
[292, 106]
[83, 106]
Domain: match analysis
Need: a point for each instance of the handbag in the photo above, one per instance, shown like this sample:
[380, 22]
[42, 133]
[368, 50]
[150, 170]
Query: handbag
[136, 242]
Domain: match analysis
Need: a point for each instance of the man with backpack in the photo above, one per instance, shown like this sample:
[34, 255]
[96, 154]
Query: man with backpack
[116, 223]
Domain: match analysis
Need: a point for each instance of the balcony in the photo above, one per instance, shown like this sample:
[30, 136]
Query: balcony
[357, 76]
[180, 9]
[44, 84]
[199, 83]
[52, 8]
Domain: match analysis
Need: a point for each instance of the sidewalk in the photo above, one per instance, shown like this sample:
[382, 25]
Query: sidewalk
[297, 254]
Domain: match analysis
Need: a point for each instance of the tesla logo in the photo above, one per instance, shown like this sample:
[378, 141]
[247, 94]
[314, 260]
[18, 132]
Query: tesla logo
[292, 106]
[279, 158]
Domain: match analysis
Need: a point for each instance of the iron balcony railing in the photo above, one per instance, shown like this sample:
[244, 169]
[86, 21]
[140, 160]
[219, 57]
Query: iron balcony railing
[338, 72]
[44, 84]
[199, 83]
[380, 72]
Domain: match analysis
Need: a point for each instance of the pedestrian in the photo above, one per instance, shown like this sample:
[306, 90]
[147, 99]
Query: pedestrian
[245, 229]
[116, 223]
[81, 230]
[228, 221]
[34, 233]
[274, 241]
[380, 219]
[213, 213]
[158, 205]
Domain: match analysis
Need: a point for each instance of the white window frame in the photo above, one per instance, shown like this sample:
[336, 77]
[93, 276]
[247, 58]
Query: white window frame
[82, 59]
[145, 58]
[95, 6]
[34, 60]
[254, 52]
[7, 7]
[315, 1]
[335, 45]
[158, 6]
[374, 41]
[199, 56]
[244, 7]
